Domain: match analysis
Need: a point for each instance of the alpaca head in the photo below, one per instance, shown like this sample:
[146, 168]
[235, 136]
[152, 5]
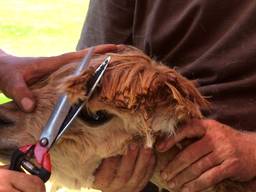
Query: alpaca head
[137, 100]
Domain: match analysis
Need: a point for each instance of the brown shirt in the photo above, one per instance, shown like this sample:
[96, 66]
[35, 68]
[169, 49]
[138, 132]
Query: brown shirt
[210, 41]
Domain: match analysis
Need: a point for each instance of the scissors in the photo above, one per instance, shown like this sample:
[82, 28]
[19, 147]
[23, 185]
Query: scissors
[34, 158]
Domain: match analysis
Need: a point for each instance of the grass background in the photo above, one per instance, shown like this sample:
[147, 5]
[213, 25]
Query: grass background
[36, 27]
[40, 28]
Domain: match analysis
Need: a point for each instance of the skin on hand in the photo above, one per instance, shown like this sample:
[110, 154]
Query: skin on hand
[128, 173]
[12, 181]
[220, 152]
[17, 72]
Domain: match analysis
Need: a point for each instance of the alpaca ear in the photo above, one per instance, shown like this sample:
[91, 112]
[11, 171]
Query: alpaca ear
[192, 93]
[9, 114]
[76, 86]
[186, 94]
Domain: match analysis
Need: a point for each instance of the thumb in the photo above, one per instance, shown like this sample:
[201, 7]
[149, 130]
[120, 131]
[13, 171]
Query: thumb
[17, 89]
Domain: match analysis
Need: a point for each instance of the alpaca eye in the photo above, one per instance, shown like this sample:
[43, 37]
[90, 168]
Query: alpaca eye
[4, 122]
[98, 118]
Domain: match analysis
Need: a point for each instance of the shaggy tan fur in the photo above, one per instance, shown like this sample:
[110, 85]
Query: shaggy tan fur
[134, 81]
[145, 99]
[138, 84]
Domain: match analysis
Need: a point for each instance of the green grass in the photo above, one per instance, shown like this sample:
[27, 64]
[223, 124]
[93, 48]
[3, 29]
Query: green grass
[40, 28]
[36, 27]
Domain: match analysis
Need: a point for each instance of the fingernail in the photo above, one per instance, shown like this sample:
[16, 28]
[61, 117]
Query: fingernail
[185, 190]
[27, 104]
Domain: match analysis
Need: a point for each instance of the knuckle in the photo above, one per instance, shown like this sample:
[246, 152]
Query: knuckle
[215, 177]
[210, 122]
[233, 165]
[132, 183]
[196, 169]
[136, 176]
[207, 162]
[211, 179]
[183, 158]
[176, 182]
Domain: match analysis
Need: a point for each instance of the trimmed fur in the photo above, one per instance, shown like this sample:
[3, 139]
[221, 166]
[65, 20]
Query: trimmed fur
[134, 82]
[146, 99]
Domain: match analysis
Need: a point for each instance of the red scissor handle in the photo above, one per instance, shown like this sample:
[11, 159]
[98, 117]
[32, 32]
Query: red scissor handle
[22, 161]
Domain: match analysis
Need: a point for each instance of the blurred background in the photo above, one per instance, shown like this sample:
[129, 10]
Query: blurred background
[36, 27]
[40, 28]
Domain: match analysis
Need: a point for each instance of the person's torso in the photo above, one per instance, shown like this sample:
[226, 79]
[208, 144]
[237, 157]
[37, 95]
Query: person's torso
[212, 42]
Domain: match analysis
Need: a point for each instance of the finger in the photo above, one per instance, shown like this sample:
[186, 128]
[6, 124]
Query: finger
[126, 168]
[141, 166]
[100, 49]
[194, 128]
[195, 170]
[37, 67]
[149, 173]
[185, 158]
[16, 88]
[210, 178]
[26, 183]
[106, 172]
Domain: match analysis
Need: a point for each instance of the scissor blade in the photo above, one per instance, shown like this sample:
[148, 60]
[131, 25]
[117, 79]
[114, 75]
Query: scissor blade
[98, 75]
[61, 110]
[74, 111]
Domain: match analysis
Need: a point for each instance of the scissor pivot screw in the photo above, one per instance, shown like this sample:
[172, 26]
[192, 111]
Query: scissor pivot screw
[44, 142]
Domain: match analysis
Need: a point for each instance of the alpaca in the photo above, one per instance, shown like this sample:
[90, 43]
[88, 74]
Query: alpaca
[137, 100]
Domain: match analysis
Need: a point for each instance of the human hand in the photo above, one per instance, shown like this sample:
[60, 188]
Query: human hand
[129, 173]
[220, 153]
[15, 72]
[12, 181]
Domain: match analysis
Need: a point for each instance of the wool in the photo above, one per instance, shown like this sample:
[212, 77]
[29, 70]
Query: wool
[144, 99]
